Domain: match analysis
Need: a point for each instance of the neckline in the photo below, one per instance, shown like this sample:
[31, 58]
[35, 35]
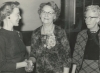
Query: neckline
[46, 33]
[7, 30]
[93, 32]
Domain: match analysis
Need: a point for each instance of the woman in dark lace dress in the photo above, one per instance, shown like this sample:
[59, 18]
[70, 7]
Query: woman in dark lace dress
[86, 54]
[50, 46]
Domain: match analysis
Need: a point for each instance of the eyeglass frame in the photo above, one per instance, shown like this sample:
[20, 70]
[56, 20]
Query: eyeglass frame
[48, 13]
[90, 17]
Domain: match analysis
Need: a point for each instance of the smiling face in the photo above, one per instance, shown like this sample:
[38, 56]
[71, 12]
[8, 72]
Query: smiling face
[91, 20]
[47, 15]
[15, 17]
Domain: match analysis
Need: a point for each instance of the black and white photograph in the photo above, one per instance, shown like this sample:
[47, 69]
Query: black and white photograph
[49, 36]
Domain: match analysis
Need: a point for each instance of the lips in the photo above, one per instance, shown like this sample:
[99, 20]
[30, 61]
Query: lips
[46, 18]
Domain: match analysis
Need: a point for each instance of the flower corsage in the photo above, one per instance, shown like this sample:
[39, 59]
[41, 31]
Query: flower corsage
[50, 41]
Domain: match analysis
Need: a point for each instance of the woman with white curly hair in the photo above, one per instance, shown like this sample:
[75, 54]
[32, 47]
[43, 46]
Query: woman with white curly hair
[86, 54]
[49, 44]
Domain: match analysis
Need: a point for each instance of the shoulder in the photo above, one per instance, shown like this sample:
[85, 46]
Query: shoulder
[83, 31]
[82, 34]
[3, 33]
[37, 31]
[59, 30]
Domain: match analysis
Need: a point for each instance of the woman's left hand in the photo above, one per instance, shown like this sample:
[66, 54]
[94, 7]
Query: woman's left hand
[29, 67]
[66, 70]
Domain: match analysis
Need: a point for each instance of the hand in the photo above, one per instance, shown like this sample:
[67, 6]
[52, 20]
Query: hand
[66, 70]
[32, 59]
[29, 67]
[21, 64]
[30, 62]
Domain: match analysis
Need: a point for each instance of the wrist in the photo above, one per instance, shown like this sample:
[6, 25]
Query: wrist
[24, 64]
[21, 64]
[66, 70]
[32, 59]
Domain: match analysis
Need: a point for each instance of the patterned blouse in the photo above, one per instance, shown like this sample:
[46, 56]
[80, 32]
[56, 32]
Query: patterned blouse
[54, 59]
[78, 55]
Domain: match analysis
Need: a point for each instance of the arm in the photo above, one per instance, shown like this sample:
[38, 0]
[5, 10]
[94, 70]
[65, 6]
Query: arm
[34, 46]
[27, 48]
[7, 65]
[4, 64]
[21, 64]
[79, 49]
[66, 52]
[76, 55]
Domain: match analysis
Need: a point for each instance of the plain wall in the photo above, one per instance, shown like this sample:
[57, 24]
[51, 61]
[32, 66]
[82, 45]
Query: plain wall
[30, 18]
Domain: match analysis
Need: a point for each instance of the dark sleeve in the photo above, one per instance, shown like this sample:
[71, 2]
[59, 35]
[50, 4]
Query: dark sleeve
[21, 38]
[66, 54]
[5, 65]
[34, 45]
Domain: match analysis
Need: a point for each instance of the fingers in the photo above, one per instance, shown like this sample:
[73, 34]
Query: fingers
[30, 62]
[30, 66]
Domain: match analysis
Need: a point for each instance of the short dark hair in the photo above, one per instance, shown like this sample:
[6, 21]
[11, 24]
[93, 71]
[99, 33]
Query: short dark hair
[7, 8]
[53, 5]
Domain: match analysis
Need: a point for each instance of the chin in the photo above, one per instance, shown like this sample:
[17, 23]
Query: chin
[89, 27]
[16, 25]
[45, 22]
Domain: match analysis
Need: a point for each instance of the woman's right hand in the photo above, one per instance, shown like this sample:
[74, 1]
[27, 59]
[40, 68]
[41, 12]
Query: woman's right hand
[21, 64]
[74, 68]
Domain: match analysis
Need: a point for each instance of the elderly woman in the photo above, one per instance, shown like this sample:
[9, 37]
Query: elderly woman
[50, 46]
[12, 50]
[86, 55]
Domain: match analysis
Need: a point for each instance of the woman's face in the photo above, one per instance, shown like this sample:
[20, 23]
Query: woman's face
[91, 19]
[47, 15]
[15, 17]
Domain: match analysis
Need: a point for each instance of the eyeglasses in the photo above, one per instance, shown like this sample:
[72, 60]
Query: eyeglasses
[48, 13]
[90, 17]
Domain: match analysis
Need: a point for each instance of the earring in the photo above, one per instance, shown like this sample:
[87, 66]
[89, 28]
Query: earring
[8, 17]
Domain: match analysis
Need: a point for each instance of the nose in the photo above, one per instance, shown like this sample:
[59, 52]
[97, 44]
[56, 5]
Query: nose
[46, 14]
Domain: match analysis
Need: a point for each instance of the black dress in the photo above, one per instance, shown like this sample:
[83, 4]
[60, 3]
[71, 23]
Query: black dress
[12, 50]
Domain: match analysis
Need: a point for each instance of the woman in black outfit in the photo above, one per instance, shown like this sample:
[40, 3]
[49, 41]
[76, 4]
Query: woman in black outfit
[12, 49]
